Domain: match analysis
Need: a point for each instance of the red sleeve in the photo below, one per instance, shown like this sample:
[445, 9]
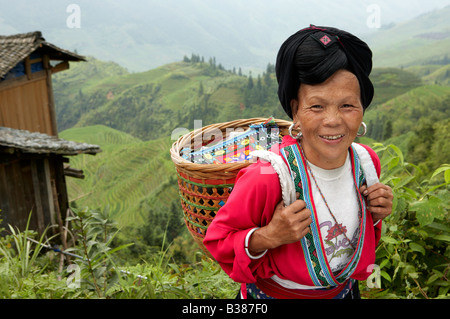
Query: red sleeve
[377, 164]
[251, 204]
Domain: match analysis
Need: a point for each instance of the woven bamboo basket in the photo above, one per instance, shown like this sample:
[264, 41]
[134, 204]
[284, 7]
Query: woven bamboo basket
[204, 188]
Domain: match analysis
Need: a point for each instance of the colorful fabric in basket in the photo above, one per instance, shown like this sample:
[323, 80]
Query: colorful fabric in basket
[237, 147]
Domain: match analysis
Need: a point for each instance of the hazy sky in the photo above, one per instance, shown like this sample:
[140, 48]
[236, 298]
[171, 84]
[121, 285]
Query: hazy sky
[147, 33]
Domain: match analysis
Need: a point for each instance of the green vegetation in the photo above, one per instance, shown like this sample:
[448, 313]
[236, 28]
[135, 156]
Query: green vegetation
[92, 269]
[414, 253]
[128, 174]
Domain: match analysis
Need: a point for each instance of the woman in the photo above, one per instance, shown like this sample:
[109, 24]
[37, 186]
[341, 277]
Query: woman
[318, 245]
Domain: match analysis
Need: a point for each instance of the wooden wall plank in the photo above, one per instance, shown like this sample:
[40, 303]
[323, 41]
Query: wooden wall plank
[26, 107]
[39, 200]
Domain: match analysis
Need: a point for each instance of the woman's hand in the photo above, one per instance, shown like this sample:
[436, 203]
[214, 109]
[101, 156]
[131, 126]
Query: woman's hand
[289, 224]
[379, 199]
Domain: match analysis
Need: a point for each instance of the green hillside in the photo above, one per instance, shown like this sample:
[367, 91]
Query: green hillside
[152, 104]
[417, 122]
[405, 110]
[419, 41]
[131, 176]
[78, 89]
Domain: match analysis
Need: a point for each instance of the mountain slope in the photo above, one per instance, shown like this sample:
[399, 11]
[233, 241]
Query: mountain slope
[132, 177]
[152, 104]
[422, 40]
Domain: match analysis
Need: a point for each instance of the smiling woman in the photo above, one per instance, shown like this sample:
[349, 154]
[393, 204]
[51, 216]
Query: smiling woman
[329, 116]
[319, 245]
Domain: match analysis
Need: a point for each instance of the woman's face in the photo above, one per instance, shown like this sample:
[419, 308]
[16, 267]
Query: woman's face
[329, 115]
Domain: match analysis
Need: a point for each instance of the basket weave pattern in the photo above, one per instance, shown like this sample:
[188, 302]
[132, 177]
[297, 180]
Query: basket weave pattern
[204, 188]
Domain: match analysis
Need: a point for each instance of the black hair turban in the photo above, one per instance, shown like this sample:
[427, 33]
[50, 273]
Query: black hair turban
[357, 52]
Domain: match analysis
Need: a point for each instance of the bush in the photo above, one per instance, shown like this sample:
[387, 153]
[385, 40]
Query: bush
[413, 255]
[29, 268]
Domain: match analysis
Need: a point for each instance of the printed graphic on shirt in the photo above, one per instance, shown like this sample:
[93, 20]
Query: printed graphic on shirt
[337, 247]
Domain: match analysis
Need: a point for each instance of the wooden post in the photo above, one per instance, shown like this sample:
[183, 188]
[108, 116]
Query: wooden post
[58, 214]
[48, 183]
[51, 100]
[27, 67]
[37, 197]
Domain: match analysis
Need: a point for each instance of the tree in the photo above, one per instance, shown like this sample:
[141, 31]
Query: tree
[387, 133]
[420, 144]
[250, 83]
[200, 89]
[270, 68]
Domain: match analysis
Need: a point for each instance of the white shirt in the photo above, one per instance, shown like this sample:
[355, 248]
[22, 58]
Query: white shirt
[339, 190]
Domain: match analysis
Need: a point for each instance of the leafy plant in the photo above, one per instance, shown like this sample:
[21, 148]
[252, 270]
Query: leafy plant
[95, 231]
[20, 252]
[413, 254]
[27, 272]
[161, 279]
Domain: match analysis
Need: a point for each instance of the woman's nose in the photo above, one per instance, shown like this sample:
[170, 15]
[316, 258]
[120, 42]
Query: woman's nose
[332, 118]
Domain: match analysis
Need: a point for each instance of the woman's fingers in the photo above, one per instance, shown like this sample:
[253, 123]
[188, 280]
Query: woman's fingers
[291, 223]
[379, 199]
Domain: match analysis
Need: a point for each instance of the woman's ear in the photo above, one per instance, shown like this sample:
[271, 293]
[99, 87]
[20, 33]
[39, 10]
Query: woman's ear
[294, 109]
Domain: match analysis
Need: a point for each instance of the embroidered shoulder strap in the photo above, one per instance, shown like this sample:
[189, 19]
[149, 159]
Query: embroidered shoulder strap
[310, 242]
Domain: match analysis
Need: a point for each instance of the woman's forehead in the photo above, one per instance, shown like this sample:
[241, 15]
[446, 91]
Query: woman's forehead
[342, 83]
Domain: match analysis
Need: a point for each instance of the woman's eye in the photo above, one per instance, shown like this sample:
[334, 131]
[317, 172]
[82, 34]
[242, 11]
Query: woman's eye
[316, 106]
[347, 105]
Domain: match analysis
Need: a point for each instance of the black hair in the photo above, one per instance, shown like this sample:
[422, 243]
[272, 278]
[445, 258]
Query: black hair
[314, 54]
[315, 64]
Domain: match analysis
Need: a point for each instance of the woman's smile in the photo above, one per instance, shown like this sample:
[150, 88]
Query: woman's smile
[337, 137]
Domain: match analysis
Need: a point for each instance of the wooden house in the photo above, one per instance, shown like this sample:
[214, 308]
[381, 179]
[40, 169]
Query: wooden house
[33, 160]
[27, 63]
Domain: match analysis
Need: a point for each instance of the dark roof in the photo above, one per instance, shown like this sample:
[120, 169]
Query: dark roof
[39, 143]
[15, 48]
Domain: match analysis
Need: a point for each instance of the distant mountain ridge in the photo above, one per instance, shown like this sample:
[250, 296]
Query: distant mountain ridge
[142, 35]
[420, 41]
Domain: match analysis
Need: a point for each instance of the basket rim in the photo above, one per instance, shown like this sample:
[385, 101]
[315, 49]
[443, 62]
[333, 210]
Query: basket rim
[178, 145]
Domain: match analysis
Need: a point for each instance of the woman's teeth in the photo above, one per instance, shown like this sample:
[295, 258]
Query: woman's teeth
[331, 137]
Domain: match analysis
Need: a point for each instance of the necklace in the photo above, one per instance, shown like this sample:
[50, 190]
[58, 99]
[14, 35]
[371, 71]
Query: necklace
[339, 226]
